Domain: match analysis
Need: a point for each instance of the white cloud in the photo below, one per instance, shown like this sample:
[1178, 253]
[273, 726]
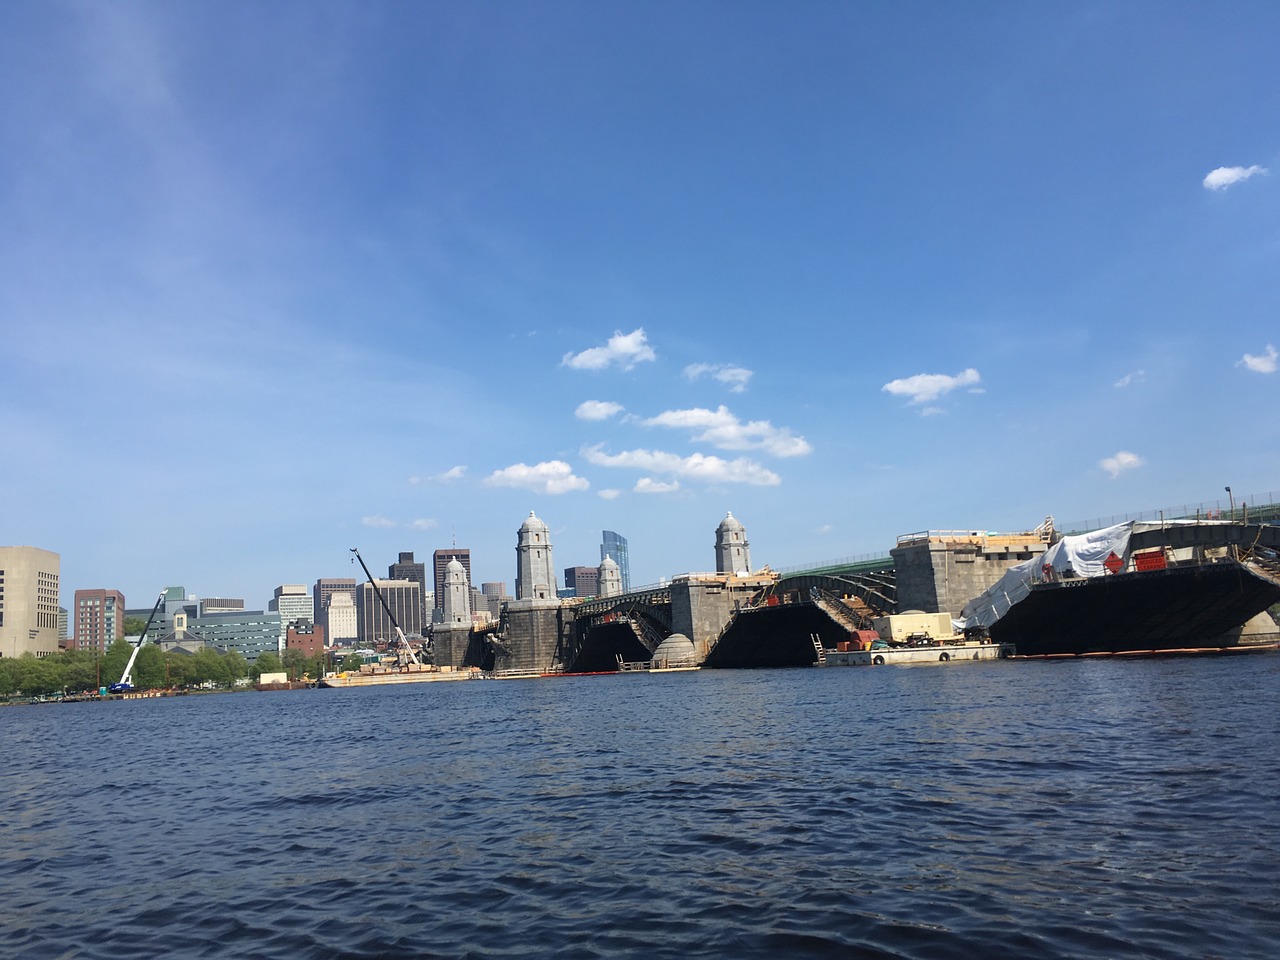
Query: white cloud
[735, 378]
[924, 387]
[550, 476]
[624, 349]
[1136, 377]
[377, 522]
[723, 430]
[824, 529]
[650, 485]
[1224, 177]
[597, 409]
[609, 494]
[424, 524]
[706, 469]
[1266, 363]
[453, 473]
[1121, 462]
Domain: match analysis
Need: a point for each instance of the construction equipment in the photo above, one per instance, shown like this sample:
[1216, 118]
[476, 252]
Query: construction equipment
[413, 657]
[126, 681]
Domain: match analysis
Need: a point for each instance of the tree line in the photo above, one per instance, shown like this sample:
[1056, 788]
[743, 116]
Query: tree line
[80, 671]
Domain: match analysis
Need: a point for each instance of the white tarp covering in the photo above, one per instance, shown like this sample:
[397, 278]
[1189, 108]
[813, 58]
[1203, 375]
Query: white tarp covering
[1084, 555]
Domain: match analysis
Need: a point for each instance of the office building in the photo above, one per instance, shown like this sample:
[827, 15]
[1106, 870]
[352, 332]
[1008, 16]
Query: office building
[342, 626]
[403, 597]
[292, 602]
[306, 637]
[29, 601]
[99, 618]
[322, 594]
[615, 546]
[220, 605]
[406, 569]
[250, 633]
[582, 581]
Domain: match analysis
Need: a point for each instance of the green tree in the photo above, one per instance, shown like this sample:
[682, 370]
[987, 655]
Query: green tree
[10, 676]
[114, 660]
[268, 662]
[133, 626]
[38, 677]
[181, 668]
[237, 666]
[148, 669]
[209, 666]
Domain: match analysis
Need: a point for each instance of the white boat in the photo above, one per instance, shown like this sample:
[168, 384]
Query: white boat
[942, 653]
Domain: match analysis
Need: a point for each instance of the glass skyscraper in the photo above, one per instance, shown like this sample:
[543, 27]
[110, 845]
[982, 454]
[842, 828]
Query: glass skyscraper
[615, 546]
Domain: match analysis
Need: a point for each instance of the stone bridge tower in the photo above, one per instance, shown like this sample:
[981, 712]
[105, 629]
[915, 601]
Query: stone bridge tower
[535, 574]
[733, 553]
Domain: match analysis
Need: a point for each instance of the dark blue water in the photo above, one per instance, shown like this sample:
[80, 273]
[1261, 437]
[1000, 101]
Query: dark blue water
[1057, 809]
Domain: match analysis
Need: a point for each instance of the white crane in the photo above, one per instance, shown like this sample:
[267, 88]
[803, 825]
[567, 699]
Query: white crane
[126, 681]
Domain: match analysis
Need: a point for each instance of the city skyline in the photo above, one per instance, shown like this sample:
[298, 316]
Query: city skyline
[844, 271]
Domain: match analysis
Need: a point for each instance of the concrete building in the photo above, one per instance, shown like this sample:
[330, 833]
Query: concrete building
[99, 618]
[609, 577]
[342, 625]
[582, 581]
[220, 605]
[29, 601]
[495, 595]
[403, 597]
[322, 594]
[733, 553]
[615, 546]
[407, 569]
[535, 572]
[250, 633]
[440, 563]
[293, 602]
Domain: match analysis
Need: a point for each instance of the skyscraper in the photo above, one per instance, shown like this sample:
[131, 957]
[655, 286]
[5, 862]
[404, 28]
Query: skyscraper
[99, 616]
[293, 603]
[322, 595]
[28, 601]
[583, 581]
[403, 597]
[406, 569]
[615, 546]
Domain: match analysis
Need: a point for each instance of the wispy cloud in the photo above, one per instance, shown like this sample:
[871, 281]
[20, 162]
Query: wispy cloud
[723, 430]
[424, 524]
[706, 469]
[1129, 378]
[1121, 463]
[378, 522]
[926, 387]
[650, 485]
[550, 476]
[453, 473]
[623, 349]
[1224, 177]
[733, 377]
[597, 410]
[1266, 363]
[609, 493]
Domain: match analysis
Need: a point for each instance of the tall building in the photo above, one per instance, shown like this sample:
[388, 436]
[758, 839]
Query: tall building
[99, 618]
[582, 581]
[440, 562]
[342, 626]
[322, 594]
[615, 546]
[406, 569]
[403, 597]
[28, 601]
[292, 602]
[535, 573]
[733, 553]
[495, 595]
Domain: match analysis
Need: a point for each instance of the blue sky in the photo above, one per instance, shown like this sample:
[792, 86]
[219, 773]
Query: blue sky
[281, 279]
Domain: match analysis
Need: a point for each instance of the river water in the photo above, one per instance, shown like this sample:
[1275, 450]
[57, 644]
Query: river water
[1090, 809]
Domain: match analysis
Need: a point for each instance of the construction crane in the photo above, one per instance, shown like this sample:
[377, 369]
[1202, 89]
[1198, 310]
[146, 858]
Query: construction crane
[126, 681]
[413, 657]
